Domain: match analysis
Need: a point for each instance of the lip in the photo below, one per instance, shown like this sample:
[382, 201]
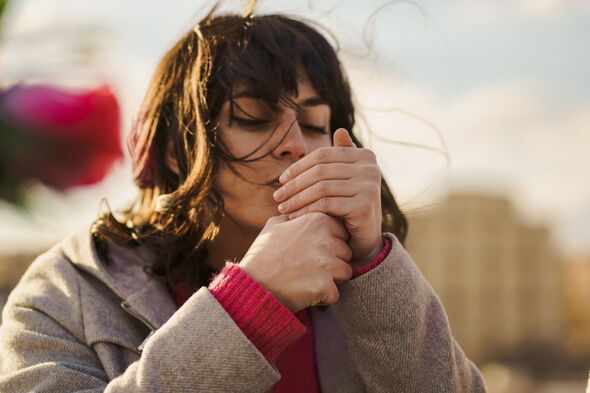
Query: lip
[274, 182]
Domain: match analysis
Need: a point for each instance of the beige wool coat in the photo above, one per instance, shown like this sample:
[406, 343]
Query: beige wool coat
[74, 324]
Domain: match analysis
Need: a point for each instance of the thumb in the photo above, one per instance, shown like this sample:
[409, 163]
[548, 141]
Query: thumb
[342, 138]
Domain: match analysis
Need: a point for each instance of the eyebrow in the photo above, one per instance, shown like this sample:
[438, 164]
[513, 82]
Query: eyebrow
[313, 101]
[310, 101]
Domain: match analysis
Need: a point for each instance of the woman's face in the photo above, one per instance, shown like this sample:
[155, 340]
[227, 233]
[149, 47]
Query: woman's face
[248, 125]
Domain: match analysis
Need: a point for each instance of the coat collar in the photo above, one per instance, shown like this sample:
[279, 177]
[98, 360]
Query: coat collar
[125, 275]
[148, 297]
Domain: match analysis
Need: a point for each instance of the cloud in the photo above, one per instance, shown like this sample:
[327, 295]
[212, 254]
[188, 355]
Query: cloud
[394, 119]
[528, 134]
[529, 142]
[549, 7]
[484, 11]
[524, 140]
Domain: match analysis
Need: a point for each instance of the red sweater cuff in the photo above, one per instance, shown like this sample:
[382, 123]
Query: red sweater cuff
[267, 323]
[376, 261]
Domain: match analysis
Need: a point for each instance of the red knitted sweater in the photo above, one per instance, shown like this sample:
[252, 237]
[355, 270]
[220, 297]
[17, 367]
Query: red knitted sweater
[284, 338]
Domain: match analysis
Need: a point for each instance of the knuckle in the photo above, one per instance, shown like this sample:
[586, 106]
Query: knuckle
[324, 203]
[348, 254]
[320, 247]
[322, 188]
[318, 217]
[290, 186]
[376, 172]
[372, 171]
[321, 154]
[317, 290]
[372, 197]
[325, 244]
[370, 155]
[306, 209]
[319, 171]
[332, 293]
[376, 192]
[346, 271]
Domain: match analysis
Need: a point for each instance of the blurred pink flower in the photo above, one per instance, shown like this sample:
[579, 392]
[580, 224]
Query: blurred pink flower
[60, 138]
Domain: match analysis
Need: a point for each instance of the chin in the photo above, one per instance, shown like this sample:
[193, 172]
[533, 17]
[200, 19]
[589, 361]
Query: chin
[258, 219]
[253, 209]
[269, 210]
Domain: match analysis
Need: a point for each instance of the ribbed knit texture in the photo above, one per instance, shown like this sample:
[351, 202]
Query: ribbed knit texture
[284, 338]
[398, 334]
[264, 320]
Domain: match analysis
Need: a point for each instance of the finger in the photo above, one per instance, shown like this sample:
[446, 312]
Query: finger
[342, 138]
[336, 228]
[313, 175]
[341, 272]
[326, 155]
[342, 250]
[329, 294]
[319, 190]
[334, 206]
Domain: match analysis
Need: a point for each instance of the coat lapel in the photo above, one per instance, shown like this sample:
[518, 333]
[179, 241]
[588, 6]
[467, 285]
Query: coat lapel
[148, 297]
[125, 276]
[336, 370]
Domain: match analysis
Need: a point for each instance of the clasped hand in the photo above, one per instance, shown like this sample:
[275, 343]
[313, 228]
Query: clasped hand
[343, 181]
[330, 223]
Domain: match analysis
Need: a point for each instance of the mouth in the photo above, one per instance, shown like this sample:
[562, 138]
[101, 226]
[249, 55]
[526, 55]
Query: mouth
[274, 182]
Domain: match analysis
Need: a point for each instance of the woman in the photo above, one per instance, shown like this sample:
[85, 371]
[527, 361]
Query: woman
[242, 152]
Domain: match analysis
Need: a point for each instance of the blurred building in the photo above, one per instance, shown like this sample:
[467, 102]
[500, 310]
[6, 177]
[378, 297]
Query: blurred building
[496, 275]
[576, 296]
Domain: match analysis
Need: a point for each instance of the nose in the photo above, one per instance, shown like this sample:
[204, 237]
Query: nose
[293, 146]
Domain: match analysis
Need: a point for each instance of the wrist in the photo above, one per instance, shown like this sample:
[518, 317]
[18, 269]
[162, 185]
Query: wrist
[247, 267]
[253, 273]
[358, 262]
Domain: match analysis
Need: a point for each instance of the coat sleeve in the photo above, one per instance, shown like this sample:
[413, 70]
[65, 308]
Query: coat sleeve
[398, 331]
[43, 347]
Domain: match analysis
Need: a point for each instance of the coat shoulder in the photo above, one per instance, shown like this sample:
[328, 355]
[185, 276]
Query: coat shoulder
[51, 286]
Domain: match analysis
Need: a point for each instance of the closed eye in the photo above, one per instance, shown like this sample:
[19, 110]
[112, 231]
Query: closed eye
[314, 128]
[249, 122]
[252, 123]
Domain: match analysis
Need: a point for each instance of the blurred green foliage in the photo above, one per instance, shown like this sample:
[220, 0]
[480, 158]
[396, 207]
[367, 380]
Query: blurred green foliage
[2, 7]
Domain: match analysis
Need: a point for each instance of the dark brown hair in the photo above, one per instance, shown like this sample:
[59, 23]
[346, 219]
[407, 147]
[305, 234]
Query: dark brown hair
[179, 115]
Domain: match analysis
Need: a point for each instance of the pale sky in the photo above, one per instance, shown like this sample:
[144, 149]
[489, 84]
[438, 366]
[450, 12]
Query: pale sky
[506, 83]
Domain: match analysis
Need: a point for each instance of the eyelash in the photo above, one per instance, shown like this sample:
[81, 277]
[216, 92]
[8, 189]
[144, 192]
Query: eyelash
[252, 123]
[248, 122]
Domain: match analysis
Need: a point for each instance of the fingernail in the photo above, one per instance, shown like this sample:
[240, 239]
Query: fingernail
[283, 178]
[282, 207]
[278, 195]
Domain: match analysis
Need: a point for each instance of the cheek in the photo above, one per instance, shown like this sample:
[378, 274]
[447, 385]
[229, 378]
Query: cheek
[224, 179]
[247, 203]
[240, 144]
[230, 187]
[247, 183]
